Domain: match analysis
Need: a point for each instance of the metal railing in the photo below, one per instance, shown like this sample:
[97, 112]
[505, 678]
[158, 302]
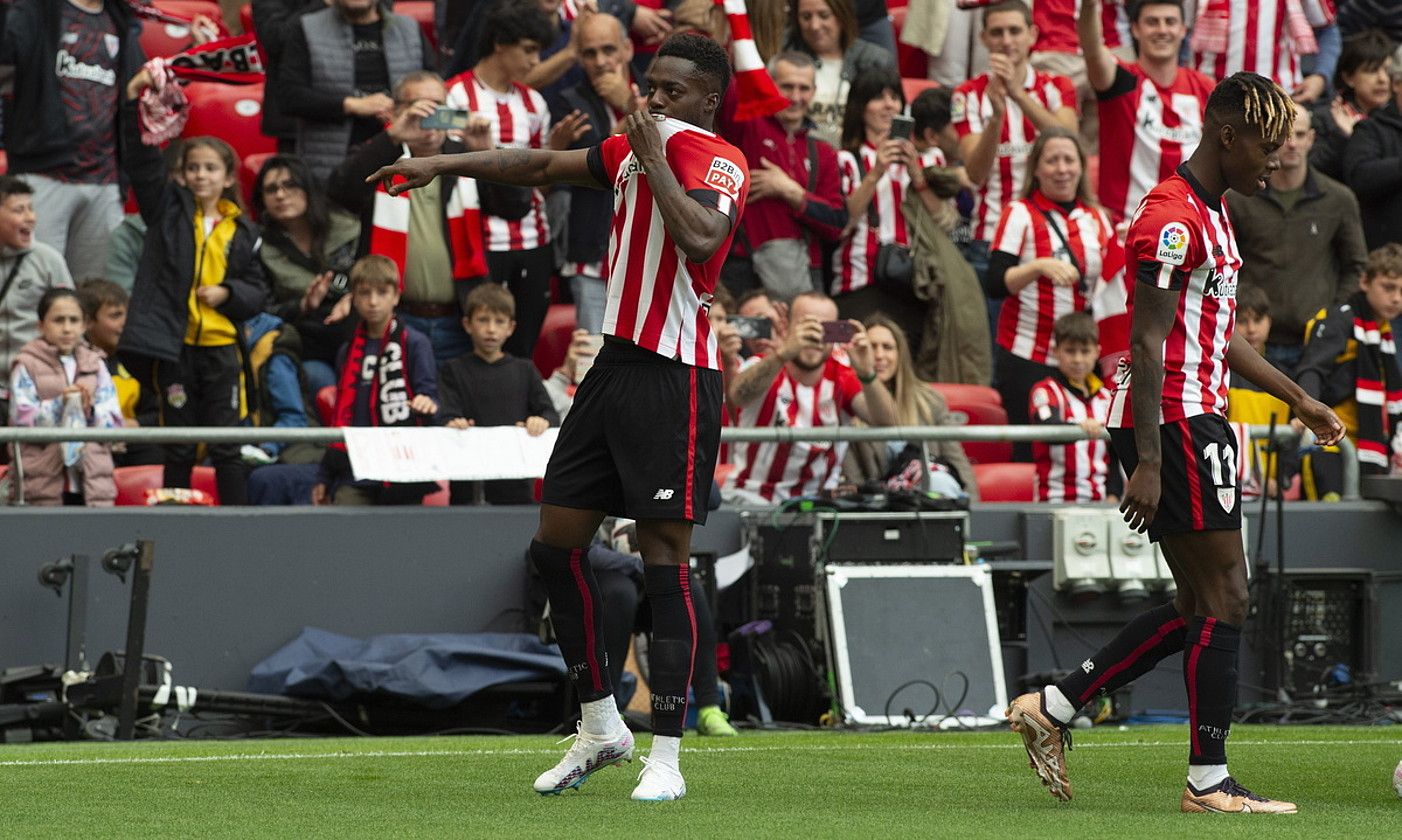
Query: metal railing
[731, 434]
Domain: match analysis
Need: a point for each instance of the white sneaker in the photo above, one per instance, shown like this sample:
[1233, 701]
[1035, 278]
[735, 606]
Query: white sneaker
[659, 782]
[585, 757]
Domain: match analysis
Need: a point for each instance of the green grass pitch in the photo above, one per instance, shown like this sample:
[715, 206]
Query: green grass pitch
[807, 785]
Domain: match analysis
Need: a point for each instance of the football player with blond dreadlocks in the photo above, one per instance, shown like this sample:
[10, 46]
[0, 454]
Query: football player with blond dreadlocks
[1169, 430]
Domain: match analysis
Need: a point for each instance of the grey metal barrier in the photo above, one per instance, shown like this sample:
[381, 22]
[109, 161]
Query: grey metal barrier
[1015, 434]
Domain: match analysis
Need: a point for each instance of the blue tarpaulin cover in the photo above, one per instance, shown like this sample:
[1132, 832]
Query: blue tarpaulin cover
[437, 670]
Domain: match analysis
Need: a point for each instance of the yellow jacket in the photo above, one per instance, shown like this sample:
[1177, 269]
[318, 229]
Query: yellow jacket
[206, 327]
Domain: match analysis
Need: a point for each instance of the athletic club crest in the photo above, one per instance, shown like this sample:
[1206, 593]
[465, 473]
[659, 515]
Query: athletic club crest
[1226, 496]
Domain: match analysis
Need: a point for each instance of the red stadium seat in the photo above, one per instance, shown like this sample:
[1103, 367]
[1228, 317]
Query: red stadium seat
[554, 338]
[421, 11]
[248, 174]
[914, 87]
[911, 61]
[246, 17]
[326, 405]
[159, 40]
[133, 482]
[439, 497]
[202, 479]
[958, 394]
[983, 414]
[4, 162]
[1005, 482]
[233, 113]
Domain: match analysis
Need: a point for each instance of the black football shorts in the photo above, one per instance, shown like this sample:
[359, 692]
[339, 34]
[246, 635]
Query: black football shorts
[1200, 489]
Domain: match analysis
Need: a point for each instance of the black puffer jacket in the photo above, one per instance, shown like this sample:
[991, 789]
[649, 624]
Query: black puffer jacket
[159, 309]
[1373, 170]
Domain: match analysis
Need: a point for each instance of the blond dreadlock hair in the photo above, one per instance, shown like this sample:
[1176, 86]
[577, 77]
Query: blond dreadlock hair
[1259, 101]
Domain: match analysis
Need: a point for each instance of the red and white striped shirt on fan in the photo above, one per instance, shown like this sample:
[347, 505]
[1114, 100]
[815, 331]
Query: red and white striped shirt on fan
[520, 120]
[1146, 131]
[1181, 240]
[1261, 36]
[1069, 472]
[1056, 25]
[854, 261]
[770, 472]
[657, 299]
[970, 111]
[1026, 318]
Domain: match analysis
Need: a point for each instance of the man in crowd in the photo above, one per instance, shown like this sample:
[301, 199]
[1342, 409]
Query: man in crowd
[1302, 242]
[69, 128]
[1150, 110]
[273, 20]
[796, 202]
[607, 95]
[339, 68]
[436, 241]
[1000, 113]
[801, 385]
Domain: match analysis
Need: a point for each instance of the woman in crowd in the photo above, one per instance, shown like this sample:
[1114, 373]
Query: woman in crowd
[308, 248]
[57, 380]
[827, 30]
[917, 404]
[1045, 256]
[876, 171]
[1363, 85]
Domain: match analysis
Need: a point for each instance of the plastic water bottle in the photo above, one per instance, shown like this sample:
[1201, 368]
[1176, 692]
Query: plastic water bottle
[72, 418]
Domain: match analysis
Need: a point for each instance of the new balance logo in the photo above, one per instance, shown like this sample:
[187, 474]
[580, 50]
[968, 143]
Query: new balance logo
[1087, 666]
[664, 495]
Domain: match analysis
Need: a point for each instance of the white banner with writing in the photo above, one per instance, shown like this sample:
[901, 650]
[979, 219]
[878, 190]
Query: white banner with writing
[438, 454]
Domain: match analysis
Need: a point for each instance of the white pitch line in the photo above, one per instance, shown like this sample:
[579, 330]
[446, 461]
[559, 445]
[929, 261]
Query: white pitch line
[231, 757]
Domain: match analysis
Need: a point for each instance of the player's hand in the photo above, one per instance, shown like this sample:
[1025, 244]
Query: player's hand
[423, 404]
[1141, 500]
[859, 351]
[416, 172]
[459, 423]
[1059, 272]
[1319, 418]
[565, 132]
[213, 296]
[319, 496]
[535, 426]
[644, 138]
[1092, 427]
[808, 333]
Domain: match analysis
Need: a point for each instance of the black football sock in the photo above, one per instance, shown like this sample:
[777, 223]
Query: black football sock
[576, 612]
[704, 676]
[1210, 674]
[1143, 643]
[673, 647]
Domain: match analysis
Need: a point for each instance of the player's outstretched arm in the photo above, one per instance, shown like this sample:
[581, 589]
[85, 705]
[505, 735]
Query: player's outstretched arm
[1100, 64]
[1320, 419]
[521, 167]
[1154, 311]
[697, 230]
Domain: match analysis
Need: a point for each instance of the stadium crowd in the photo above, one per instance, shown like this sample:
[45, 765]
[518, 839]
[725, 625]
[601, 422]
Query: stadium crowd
[952, 183]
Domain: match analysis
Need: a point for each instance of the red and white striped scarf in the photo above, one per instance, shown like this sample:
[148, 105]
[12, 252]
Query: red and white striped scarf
[389, 234]
[759, 96]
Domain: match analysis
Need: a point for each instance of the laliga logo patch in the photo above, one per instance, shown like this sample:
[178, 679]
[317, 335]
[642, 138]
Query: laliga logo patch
[1173, 244]
[956, 108]
[1226, 497]
[725, 177]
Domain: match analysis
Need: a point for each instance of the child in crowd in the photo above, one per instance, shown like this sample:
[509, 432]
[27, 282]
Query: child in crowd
[386, 378]
[1350, 363]
[1248, 405]
[58, 380]
[1073, 472]
[104, 317]
[490, 387]
[199, 279]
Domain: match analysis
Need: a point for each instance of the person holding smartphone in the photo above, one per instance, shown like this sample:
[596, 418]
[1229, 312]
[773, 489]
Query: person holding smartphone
[801, 385]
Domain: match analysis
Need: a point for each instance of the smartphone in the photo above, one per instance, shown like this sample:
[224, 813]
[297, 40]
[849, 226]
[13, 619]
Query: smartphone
[902, 127]
[838, 332]
[446, 119]
[751, 328]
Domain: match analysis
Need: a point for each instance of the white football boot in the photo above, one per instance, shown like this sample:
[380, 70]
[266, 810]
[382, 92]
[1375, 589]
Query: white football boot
[586, 756]
[659, 782]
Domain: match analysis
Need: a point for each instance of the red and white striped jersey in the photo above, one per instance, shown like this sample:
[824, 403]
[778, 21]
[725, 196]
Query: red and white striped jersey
[1026, 318]
[854, 261]
[1056, 25]
[970, 111]
[1254, 35]
[657, 298]
[1069, 472]
[520, 120]
[770, 472]
[1181, 240]
[1145, 132]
